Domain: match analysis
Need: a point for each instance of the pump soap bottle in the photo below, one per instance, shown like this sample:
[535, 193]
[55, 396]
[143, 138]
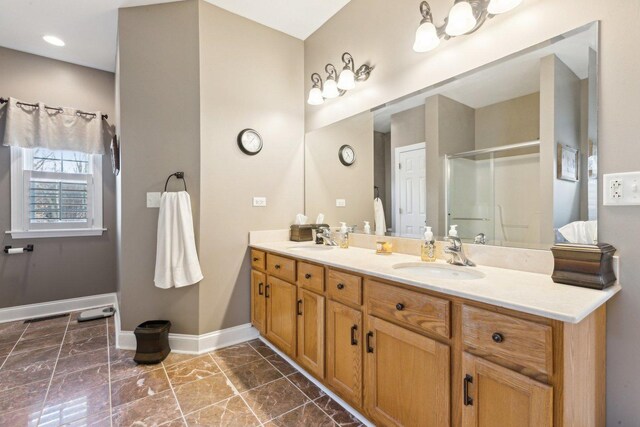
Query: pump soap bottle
[428, 249]
[344, 235]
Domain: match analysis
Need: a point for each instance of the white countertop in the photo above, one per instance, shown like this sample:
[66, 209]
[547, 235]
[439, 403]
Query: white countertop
[517, 290]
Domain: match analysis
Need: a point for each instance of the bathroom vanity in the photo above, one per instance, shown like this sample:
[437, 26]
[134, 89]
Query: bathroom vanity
[499, 347]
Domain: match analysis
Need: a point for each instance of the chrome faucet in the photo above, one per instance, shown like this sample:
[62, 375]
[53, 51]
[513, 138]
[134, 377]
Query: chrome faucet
[323, 236]
[480, 239]
[457, 253]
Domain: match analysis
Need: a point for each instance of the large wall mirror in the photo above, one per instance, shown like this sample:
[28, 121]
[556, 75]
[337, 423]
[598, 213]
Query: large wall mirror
[507, 152]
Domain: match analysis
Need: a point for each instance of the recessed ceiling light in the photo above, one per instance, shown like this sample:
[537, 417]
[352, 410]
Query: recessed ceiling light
[53, 40]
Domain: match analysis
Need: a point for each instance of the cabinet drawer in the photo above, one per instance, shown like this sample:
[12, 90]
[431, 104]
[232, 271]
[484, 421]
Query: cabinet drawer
[344, 287]
[516, 343]
[257, 259]
[311, 277]
[281, 267]
[408, 307]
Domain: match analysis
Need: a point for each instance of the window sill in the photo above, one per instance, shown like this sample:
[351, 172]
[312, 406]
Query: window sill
[71, 232]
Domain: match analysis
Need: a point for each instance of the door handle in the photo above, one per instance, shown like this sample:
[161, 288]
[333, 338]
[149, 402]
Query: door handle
[467, 400]
[354, 340]
[260, 292]
[299, 307]
[369, 336]
[266, 290]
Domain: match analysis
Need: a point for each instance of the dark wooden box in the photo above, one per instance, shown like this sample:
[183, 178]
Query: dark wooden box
[301, 233]
[587, 266]
[152, 341]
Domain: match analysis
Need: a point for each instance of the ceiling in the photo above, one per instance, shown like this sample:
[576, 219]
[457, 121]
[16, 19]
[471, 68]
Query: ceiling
[89, 27]
[503, 81]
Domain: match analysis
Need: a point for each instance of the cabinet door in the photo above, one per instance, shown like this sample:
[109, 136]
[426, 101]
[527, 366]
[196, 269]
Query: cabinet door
[407, 377]
[496, 396]
[344, 352]
[281, 314]
[311, 332]
[258, 302]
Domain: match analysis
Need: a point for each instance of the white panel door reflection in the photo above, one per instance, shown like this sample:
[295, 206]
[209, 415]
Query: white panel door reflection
[412, 191]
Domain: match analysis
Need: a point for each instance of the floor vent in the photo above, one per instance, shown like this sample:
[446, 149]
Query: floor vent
[42, 319]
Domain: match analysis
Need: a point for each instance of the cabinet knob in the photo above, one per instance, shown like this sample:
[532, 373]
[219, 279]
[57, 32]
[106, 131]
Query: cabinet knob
[277, 266]
[256, 259]
[340, 286]
[399, 306]
[497, 337]
[307, 276]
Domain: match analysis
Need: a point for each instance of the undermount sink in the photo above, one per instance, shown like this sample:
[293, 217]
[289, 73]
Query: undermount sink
[311, 248]
[438, 271]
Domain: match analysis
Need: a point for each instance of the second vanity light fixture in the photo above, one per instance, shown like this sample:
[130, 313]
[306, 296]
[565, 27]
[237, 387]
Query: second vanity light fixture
[337, 85]
[465, 17]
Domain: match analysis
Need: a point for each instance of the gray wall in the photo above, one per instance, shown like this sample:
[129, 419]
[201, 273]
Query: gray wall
[382, 31]
[59, 268]
[509, 122]
[160, 134]
[250, 76]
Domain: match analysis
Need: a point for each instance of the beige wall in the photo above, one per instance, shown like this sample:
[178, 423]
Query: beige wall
[326, 179]
[382, 31]
[160, 134]
[59, 268]
[509, 122]
[250, 76]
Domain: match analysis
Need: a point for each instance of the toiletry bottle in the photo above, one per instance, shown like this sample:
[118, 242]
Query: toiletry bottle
[344, 235]
[367, 228]
[428, 250]
[453, 231]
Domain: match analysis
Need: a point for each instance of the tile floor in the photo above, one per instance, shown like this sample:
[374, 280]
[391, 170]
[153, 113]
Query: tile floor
[61, 372]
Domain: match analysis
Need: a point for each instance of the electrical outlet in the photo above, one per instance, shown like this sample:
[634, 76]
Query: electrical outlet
[153, 200]
[621, 189]
[260, 202]
[341, 203]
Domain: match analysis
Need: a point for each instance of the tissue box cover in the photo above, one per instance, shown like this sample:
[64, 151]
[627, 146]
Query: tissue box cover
[587, 266]
[301, 233]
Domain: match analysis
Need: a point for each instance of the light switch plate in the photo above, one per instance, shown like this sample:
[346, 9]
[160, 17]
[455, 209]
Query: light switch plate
[153, 200]
[259, 202]
[341, 203]
[621, 189]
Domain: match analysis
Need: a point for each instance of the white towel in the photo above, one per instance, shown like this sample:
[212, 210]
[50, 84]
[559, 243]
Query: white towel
[176, 257]
[581, 232]
[378, 210]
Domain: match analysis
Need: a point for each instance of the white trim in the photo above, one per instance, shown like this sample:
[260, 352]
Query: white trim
[69, 232]
[196, 344]
[395, 198]
[31, 311]
[322, 387]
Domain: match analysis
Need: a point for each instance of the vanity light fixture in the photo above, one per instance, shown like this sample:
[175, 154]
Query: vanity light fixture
[465, 17]
[315, 94]
[337, 85]
[330, 90]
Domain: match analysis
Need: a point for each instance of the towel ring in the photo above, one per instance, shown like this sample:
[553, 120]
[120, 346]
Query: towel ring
[179, 175]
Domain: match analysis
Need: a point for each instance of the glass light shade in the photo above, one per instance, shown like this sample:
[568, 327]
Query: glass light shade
[347, 80]
[461, 19]
[315, 96]
[497, 7]
[426, 38]
[330, 89]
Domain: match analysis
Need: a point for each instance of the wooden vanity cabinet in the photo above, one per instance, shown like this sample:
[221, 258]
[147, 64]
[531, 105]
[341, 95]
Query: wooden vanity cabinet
[310, 311]
[282, 304]
[497, 396]
[344, 352]
[405, 356]
[258, 301]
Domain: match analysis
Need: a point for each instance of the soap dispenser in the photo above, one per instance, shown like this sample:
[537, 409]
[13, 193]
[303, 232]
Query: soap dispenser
[367, 227]
[453, 231]
[428, 249]
[344, 235]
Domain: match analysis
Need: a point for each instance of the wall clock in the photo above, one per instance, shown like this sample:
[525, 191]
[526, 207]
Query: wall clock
[347, 155]
[250, 142]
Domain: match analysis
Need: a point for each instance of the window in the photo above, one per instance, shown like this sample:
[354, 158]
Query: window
[55, 193]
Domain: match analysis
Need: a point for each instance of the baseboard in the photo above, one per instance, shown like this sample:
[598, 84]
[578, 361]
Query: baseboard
[321, 386]
[31, 311]
[196, 344]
